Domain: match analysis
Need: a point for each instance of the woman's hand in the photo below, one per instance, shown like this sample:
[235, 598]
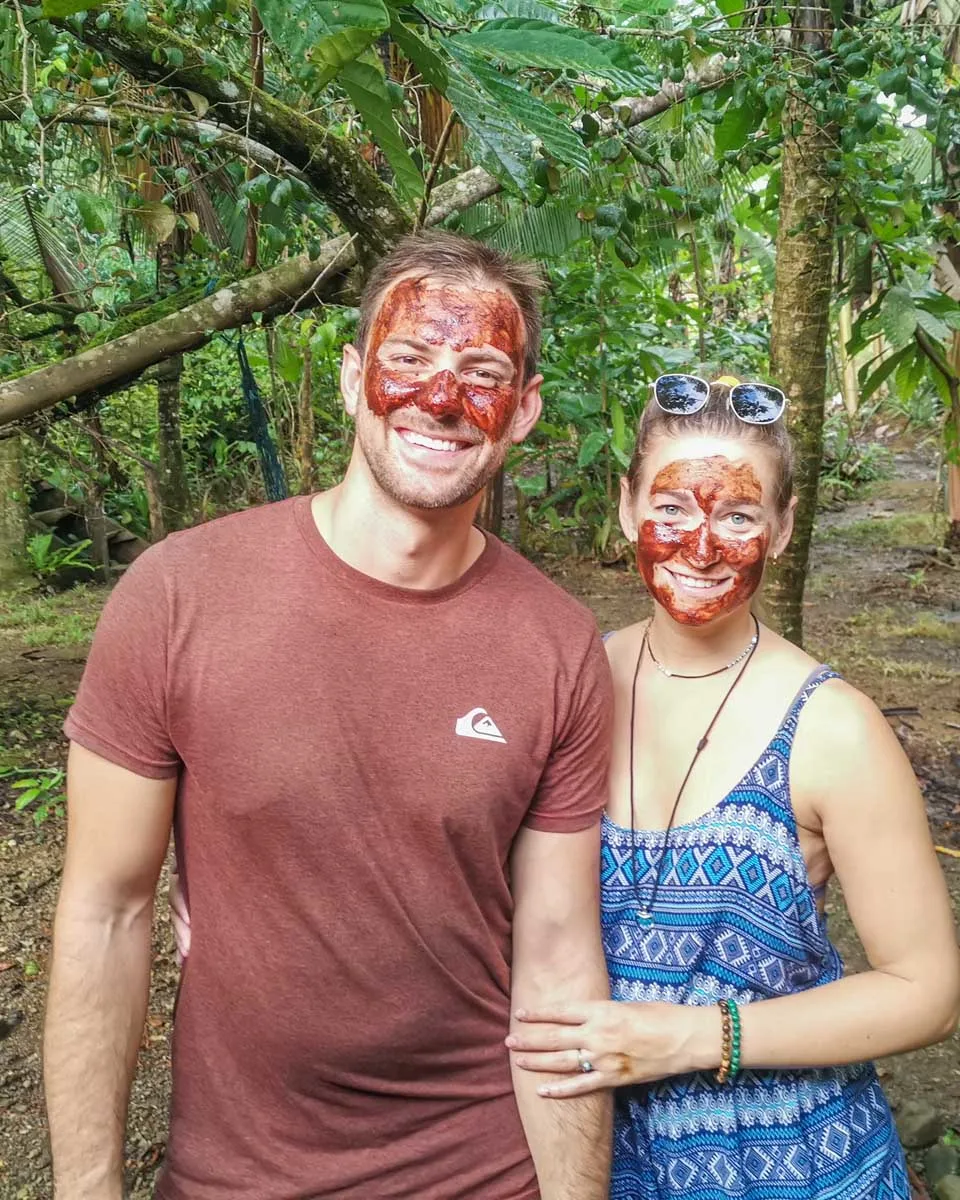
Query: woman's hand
[180, 916]
[623, 1043]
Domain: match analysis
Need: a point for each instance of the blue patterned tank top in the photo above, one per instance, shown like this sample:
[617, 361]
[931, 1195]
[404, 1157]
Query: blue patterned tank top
[736, 918]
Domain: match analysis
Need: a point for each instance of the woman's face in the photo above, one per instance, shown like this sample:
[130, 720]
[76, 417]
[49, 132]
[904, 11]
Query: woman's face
[704, 520]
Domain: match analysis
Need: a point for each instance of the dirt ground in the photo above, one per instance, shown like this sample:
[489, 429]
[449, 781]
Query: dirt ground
[880, 608]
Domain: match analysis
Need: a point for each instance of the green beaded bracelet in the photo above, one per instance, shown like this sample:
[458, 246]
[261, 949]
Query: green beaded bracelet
[735, 1048]
[730, 1050]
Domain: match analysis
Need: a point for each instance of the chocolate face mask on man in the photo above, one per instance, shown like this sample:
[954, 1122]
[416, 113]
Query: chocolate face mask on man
[487, 393]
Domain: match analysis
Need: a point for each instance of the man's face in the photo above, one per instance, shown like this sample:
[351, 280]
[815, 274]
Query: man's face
[442, 381]
[704, 526]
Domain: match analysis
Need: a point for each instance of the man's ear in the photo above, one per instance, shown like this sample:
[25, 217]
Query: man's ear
[628, 521]
[351, 379]
[528, 410]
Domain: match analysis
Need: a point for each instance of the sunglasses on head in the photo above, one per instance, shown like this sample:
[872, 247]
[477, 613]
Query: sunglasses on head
[754, 403]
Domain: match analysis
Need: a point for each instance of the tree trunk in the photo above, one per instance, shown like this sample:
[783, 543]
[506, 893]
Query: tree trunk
[801, 319]
[13, 512]
[490, 515]
[952, 439]
[172, 475]
[952, 541]
[305, 427]
[256, 75]
[848, 363]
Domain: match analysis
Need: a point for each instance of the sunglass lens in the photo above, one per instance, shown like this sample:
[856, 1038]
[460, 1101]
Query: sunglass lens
[757, 403]
[682, 394]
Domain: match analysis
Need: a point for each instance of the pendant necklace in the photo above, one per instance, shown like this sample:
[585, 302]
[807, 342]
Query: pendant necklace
[645, 909]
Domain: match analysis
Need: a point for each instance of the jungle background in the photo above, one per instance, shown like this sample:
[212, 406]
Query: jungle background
[190, 194]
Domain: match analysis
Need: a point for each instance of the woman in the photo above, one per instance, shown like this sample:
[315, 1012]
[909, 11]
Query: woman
[744, 776]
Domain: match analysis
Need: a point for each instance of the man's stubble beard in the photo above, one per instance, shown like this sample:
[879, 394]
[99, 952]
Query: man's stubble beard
[451, 493]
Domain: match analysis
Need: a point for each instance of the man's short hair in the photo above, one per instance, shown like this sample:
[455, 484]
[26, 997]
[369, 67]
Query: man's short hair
[453, 258]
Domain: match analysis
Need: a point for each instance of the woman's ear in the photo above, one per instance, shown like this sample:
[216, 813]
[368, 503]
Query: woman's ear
[628, 520]
[785, 530]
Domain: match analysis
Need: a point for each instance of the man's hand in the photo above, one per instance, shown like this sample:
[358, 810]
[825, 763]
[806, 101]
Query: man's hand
[118, 830]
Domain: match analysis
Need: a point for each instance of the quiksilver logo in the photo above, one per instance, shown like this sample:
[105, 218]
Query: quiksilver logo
[479, 724]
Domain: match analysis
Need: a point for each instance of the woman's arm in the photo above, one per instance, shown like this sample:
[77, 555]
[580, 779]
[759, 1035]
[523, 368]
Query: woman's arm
[847, 768]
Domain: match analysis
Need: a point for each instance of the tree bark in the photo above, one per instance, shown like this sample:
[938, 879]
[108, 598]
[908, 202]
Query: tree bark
[171, 470]
[256, 74]
[848, 363]
[13, 512]
[364, 203]
[952, 540]
[490, 514]
[306, 434]
[801, 319]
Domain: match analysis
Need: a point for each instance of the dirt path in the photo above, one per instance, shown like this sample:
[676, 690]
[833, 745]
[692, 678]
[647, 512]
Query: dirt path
[879, 609]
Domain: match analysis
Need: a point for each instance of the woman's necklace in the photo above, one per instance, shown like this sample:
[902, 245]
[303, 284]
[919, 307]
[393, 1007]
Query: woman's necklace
[707, 674]
[645, 910]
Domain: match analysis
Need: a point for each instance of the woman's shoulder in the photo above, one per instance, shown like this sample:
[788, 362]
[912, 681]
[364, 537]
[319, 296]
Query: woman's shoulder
[623, 645]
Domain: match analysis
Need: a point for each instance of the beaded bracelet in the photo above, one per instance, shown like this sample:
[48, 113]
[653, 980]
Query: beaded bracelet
[730, 1041]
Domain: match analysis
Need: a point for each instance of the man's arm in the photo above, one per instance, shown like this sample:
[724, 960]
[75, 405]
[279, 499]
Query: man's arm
[558, 958]
[118, 830]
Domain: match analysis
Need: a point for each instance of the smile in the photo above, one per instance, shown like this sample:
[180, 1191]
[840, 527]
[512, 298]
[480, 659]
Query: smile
[441, 445]
[694, 583]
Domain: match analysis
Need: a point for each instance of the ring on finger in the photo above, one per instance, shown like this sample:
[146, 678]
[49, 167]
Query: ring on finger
[584, 1065]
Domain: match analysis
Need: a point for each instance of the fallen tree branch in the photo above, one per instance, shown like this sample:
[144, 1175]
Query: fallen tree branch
[276, 290]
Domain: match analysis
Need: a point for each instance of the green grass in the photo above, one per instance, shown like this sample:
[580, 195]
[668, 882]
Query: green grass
[849, 662]
[62, 619]
[887, 623]
[893, 532]
[928, 625]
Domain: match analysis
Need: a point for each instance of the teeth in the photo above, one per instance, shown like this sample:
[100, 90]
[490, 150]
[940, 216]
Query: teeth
[690, 582]
[420, 439]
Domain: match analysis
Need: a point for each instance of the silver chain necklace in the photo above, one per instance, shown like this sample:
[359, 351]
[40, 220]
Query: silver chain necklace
[706, 675]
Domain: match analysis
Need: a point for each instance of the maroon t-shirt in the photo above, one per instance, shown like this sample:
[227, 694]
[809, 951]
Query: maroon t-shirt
[354, 762]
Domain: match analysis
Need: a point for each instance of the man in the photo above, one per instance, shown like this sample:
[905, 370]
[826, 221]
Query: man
[381, 737]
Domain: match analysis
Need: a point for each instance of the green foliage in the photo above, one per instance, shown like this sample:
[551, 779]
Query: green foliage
[322, 33]
[659, 236]
[47, 561]
[42, 792]
[850, 459]
[364, 83]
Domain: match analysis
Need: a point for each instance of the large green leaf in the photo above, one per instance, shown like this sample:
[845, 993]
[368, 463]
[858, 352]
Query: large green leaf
[95, 211]
[528, 110]
[527, 43]
[66, 8]
[898, 317]
[933, 326]
[367, 88]
[497, 142]
[325, 33]
[733, 10]
[739, 121]
[870, 382]
[423, 56]
[529, 9]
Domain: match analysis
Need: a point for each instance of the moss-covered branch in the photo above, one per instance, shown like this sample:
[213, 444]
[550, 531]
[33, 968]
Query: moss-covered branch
[364, 203]
[185, 127]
